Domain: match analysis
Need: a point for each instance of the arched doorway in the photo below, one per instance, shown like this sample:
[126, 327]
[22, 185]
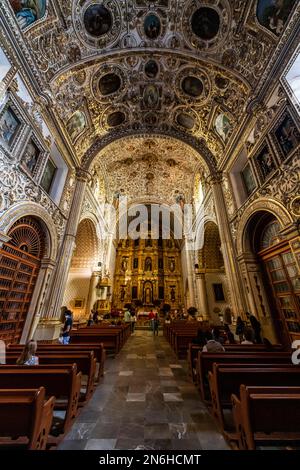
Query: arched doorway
[279, 274]
[80, 293]
[20, 261]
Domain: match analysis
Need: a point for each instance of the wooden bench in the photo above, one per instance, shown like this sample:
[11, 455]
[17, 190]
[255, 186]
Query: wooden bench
[85, 362]
[110, 339]
[225, 381]
[97, 348]
[194, 349]
[266, 415]
[205, 363]
[25, 418]
[62, 382]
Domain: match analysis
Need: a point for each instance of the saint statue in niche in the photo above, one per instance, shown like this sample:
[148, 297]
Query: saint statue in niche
[122, 294]
[172, 265]
[124, 264]
[148, 264]
[148, 296]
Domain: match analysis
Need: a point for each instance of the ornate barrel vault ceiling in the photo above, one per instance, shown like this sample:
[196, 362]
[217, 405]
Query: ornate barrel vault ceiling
[187, 69]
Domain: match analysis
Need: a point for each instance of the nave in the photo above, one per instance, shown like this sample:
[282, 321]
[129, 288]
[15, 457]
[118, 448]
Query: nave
[145, 401]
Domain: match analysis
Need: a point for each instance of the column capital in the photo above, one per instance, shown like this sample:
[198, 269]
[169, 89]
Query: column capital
[83, 175]
[215, 178]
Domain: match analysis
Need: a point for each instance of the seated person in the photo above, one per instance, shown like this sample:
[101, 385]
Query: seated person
[28, 357]
[200, 338]
[217, 335]
[212, 346]
[248, 335]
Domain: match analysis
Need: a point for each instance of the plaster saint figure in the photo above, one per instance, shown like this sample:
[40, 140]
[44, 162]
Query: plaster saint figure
[148, 264]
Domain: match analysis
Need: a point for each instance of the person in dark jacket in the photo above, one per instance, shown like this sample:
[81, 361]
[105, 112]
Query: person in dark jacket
[240, 328]
[256, 328]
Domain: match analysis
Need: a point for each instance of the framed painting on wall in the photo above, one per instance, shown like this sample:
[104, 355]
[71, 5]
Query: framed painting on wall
[248, 179]
[48, 176]
[31, 157]
[286, 136]
[78, 303]
[9, 126]
[265, 162]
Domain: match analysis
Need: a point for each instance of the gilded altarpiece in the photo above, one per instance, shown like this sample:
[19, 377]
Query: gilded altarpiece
[148, 271]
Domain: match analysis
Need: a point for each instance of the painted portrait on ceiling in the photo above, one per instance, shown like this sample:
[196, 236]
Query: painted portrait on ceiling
[76, 124]
[9, 125]
[151, 96]
[152, 26]
[273, 14]
[287, 136]
[223, 126]
[28, 11]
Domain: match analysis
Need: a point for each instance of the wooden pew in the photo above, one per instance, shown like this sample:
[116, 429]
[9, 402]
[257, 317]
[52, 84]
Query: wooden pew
[85, 362]
[194, 349]
[25, 418]
[62, 382]
[110, 339]
[97, 348]
[206, 360]
[266, 415]
[225, 381]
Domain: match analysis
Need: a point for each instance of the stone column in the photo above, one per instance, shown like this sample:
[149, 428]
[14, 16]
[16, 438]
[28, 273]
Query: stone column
[189, 273]
[92, 297]
[52, 312]
[228, 250]
[203, 307]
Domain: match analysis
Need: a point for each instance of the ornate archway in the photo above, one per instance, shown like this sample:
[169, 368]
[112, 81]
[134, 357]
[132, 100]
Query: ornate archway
[20, 262]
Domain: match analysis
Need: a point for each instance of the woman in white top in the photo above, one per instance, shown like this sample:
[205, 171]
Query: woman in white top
[28, 357]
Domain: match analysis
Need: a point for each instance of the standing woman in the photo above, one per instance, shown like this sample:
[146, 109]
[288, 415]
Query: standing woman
[28, 357]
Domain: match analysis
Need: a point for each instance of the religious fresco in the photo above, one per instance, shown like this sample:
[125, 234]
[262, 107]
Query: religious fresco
[76, 124]
[151, 96]
[192, 86]
[9, 125]
[145, 3]
[97, 20]
[273, 14]
[48, 176]
[31, 157]
[223, 126]
[265, 162]
[287, 136]
[109, 83]
[151, 69]
[206, 23]
[152, 26]
[185, 120]
[115, 119]
[28, 11]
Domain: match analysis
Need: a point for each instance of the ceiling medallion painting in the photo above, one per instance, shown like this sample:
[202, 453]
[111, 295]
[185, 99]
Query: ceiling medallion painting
[152, 26]
[205, 23]
[208, 25]
[97, 23]
[97, 20]
[108, 82]
[273, 15]
[151, 69]
[192, 86]
[28, 12]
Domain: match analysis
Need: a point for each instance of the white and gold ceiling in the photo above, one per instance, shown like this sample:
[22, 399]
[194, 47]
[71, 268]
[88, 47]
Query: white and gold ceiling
[181, 73]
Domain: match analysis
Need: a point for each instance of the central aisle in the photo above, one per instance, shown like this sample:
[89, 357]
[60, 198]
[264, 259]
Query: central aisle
[145, 401]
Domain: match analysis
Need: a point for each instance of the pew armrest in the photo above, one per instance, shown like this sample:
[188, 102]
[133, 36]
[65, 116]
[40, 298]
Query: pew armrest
[45, 425]
[237, 418]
